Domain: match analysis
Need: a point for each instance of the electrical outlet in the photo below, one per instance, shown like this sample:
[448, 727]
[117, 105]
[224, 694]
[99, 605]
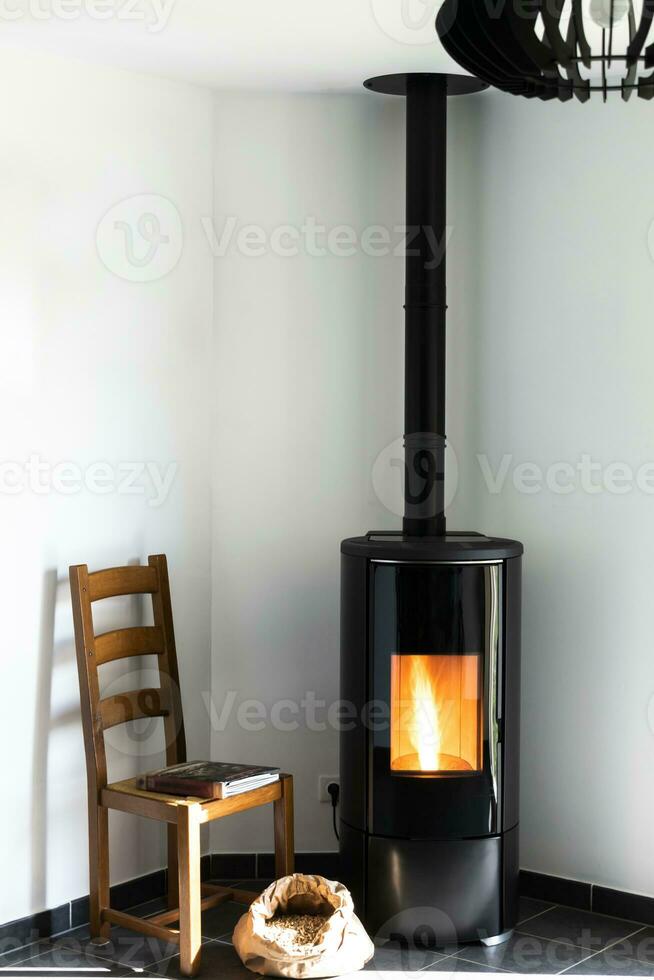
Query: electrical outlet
[323, 783]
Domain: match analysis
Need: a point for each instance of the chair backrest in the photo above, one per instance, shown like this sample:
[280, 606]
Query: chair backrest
[93, 651]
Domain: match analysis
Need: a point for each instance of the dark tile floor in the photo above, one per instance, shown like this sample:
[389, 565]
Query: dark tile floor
[549, 939]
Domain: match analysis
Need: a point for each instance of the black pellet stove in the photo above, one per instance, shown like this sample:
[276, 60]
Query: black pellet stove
[430, 639]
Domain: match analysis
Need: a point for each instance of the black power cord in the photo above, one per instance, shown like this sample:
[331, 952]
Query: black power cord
[334, 791]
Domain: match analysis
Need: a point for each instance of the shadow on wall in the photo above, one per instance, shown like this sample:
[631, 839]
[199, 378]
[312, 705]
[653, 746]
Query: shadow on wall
[40, 740]
[54, 590]
[57, 710]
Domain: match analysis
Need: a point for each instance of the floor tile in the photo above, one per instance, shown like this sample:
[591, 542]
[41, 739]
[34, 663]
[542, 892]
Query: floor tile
[585, 929]
[611, 962]
[391, 956]
[639, 946]
[217, 960]
[219, 922]
[125, 946]
[132, 949]
[135, 949]
[10, 954]
[82, 933]
[254, 884]
[452, 964]
[530, 907]
[62, 959]
[524, 954]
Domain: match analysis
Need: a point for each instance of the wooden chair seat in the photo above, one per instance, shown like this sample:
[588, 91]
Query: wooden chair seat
[127, 796]
[184, 815]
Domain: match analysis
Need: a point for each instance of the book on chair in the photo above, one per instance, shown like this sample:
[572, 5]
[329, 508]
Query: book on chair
[208, 780]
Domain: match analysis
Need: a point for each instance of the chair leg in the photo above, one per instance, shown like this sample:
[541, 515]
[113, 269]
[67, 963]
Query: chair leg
[190, 913]
[173, 870]
[284, 844]
[98, 873]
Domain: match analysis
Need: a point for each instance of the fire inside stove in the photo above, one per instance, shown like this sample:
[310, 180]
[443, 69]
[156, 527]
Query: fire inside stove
[436, 713]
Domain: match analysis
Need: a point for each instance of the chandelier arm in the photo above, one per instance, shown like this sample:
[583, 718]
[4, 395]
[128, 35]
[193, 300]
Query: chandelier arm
[632, 22]
[469, 58]
[473, 54]
[638, 41]
[580, 86]
[509, 56]
[523, 28]
[551, 13]
[582, 40]
[629, 81]
[611, 22]
[646, 87]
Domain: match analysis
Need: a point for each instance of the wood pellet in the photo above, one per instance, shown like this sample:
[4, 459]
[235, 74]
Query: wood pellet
[295, 932]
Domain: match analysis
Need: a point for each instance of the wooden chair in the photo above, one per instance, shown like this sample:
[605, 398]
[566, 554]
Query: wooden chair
[183, 815]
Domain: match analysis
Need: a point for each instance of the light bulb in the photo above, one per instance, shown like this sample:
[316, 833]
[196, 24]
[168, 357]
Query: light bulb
[600, 11]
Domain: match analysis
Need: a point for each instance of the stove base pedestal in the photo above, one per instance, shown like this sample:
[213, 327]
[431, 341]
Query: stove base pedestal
[497, 940]
[429, 894]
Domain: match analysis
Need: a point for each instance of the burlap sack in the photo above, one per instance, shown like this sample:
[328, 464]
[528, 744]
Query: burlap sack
[343, 946]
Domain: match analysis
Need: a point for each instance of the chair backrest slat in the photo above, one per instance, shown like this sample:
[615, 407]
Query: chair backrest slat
[168, 670]
[135, 641]
[149, 702]
[130, 580]
[99, 714]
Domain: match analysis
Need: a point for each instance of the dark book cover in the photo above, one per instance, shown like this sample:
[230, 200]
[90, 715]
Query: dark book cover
[207, 780]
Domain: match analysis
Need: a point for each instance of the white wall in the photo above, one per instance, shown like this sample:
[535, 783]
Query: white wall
[558, 362]
[301, 345]
[550, 286]
[284, 413]
[308, 365]
[94, 368]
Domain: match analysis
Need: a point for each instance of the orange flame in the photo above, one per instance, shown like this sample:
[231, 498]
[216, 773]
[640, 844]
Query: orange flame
[423, 728]
[436, 713]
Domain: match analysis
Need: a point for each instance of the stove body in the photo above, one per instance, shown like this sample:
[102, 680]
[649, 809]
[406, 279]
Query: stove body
[430, 637]
[430, 661]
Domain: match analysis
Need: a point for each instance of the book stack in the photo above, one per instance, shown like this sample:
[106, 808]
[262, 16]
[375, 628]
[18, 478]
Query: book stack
[208, 780]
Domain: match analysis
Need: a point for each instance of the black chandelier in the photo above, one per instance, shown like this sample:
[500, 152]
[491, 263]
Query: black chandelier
[553, 49]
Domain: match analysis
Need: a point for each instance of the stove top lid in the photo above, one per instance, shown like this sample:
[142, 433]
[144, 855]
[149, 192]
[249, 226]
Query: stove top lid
[456, 546]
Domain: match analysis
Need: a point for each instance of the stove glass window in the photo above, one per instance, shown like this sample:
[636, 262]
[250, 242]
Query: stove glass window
[436, 713]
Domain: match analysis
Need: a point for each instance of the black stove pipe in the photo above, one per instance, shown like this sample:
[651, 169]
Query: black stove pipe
[424, 373]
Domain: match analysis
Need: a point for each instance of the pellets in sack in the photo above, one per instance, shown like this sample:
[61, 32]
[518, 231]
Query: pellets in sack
[296, 932]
